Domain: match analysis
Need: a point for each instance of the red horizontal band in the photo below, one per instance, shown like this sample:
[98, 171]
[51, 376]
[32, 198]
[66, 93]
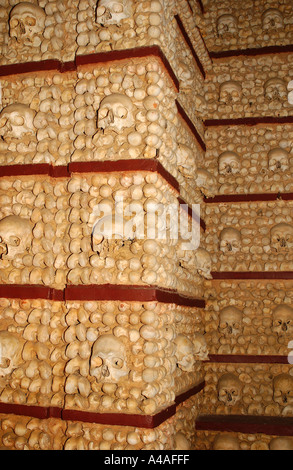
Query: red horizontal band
[252, 52]
[247, 359]
[270, 425]
[105, 292]
[233, 275]
[249, 198]
[90, 59]
[248, 121]
[113, 419]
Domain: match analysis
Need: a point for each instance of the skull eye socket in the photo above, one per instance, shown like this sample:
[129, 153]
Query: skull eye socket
[121, 112]
[13, 23]
[103, 113]
[30, 21]
[4, 363]
[14, 241]
[100, 11]
[117, 362]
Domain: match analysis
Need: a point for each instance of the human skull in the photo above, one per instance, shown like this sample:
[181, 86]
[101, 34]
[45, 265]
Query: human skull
[229, 389]
[112, 11]
[206, 182]
[116, 112]
[184, 353]
[15, 236]
[25, 21]
[275, 89]
[108, 361]
[290, 90]
[230, 92]
[282, 237]
[278, 159]
[230, 321]
[229, 163]
[227, 25]
[16, 121]
[201, 352]
[281, 443]
[272, 19]
[283, 320]
[226, 442]
[203, 262]
[230, 240]
[10, 353]
[110, 234]
[181, 442]
[185, 161]
[283, 389]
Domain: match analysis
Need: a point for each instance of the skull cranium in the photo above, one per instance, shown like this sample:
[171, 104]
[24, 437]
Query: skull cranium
[110, 233]
[116, 112]
[184, 353]
[227, 25]
[230, 92]
[229, 163]
[15, 237]
[112, 11]
[229, 389]
[203, 263]
[16, 121]
[230, 321]
[230, 240]
[226, 442]
[108, 361]
[278, 159]
[272, 19]
[26, 20]
[282, 237]
[201, 352]
[206, 182]
[281, 443]
[283, 389]
[10, 353]
[275, 89]
[283, 320]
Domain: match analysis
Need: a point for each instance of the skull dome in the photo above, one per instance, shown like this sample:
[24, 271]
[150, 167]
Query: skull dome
[275, 89]
[184, 353]
[206, 182]
[116, 112]
[272, 19]
[10, 353]
[283, 389]
[226, 442]
[15, 236]
[203, 262]
[108, 361]
[281, 443]
[227, 25]
[229, 389]
[26, 20]
[16, 121]
[230, 321]
[230, 240]
[278, 159]
[181, 442]
[230, 92]
[283, 320]
[229, 163]
[201, 352]
[282, 237]
[112, 11]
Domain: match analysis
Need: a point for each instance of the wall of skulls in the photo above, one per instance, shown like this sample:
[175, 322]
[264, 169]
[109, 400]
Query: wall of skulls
[254, 236]
[249, 87]
[230, 26]
[240, 441]
[61, 232]
[258, 320]
[250, 159]
[102, 356]
[240, 389]
[24, 433]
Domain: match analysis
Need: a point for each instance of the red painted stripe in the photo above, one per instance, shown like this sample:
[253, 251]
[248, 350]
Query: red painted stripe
[247, 359]
[233, 275]
[252, 52]
[191, 126]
